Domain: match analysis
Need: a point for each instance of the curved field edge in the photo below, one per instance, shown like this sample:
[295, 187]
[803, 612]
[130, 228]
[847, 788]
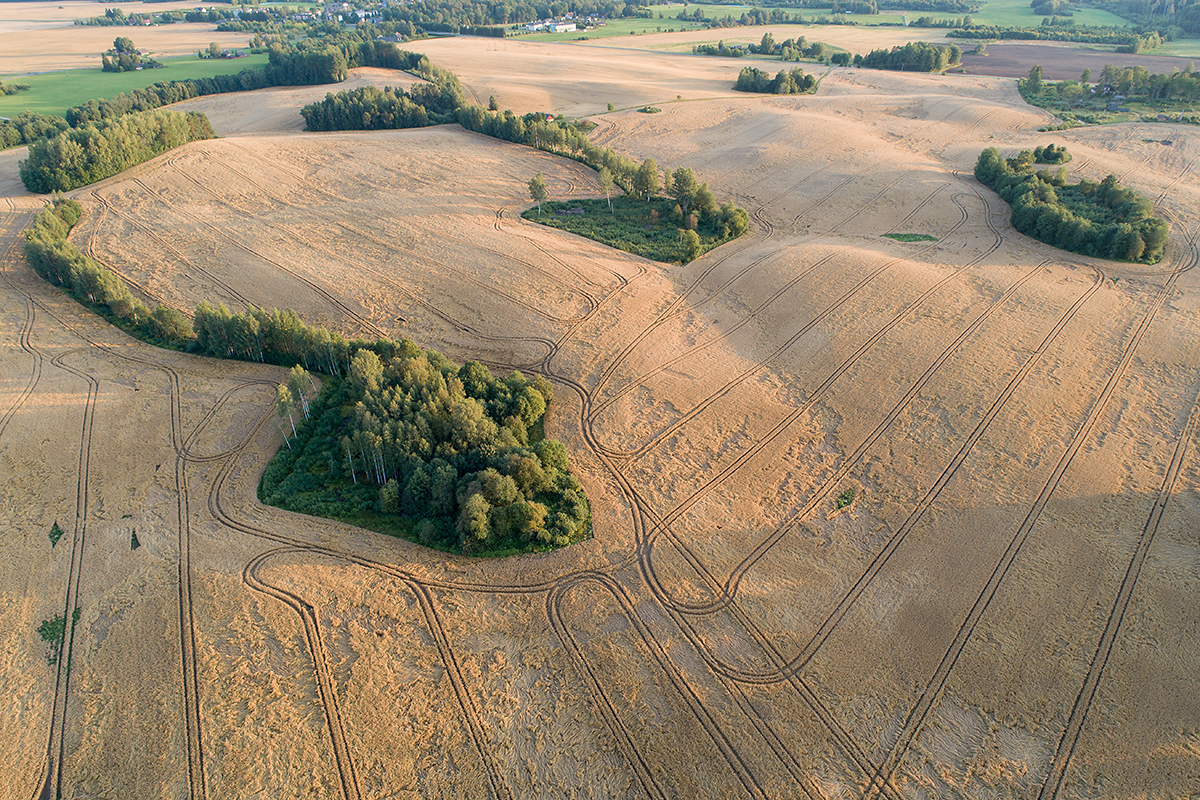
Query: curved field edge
[552, 510]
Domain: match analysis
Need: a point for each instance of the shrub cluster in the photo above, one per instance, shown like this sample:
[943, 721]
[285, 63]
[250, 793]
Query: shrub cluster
[752, 79]
[13, 88]
[1051, 154]
[659, 230]
[1092, 219]
[912, 57]
[447, 449]
[79, 156]
[61, 263]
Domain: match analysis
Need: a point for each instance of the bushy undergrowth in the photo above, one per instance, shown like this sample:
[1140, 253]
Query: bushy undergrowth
[415, 446]
[652, 230]
[1093, 219]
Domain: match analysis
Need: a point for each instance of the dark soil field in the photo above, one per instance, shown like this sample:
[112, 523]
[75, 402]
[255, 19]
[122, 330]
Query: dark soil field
[1058, 63]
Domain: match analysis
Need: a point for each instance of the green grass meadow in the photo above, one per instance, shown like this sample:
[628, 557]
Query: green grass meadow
[55, 92]
[1018, 13]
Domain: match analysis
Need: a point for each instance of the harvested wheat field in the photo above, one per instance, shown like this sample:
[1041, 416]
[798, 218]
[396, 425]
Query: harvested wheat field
[1007, 607]
[42, 36]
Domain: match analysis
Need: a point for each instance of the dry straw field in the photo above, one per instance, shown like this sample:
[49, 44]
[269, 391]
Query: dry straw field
[1007, 608]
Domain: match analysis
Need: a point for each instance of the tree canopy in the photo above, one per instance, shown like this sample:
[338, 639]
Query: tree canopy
[1102, 219]
[446, 450]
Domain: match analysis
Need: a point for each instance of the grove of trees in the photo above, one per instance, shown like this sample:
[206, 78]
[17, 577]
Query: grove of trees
[124, 57]
[912, 57]
[794, 81]
[453, 452]
[86, 154]
[1093, 219]
[446, 449]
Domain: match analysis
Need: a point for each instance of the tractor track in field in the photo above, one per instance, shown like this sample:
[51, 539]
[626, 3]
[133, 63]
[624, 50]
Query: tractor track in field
[1067, 743]
[933, 691]
[753, 369]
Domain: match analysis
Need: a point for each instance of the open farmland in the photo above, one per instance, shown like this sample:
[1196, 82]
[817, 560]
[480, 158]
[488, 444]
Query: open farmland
[1060, 63]
[1006, 608]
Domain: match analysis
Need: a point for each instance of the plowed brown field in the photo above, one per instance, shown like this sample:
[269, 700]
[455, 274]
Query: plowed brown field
[1008, 607]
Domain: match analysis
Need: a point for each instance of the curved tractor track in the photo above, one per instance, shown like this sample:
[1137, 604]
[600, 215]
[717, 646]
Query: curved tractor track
[737, 686]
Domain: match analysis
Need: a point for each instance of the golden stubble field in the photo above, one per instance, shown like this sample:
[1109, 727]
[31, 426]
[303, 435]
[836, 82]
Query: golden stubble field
[42, 36]
[1008, 608]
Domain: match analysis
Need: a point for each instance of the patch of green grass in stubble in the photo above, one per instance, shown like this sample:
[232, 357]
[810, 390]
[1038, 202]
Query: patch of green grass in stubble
[910, 237]
[632, 225]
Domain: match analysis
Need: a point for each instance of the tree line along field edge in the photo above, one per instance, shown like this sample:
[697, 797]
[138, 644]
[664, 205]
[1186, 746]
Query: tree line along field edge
[405, 442]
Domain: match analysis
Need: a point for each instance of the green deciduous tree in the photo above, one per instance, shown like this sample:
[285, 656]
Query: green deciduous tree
[537, 190]
[604, 180]
[645, 180]
[1033, 84]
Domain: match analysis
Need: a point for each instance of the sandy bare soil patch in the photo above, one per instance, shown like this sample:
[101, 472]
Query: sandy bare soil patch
[1006, 608]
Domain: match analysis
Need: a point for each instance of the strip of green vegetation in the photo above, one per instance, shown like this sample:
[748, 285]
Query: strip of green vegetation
[59, 261]
[910, 237]
[55, 92]
[651, 230]
[413, 446]
[52, 632]
[1102, 219]
[381, 454]
[1120, 94]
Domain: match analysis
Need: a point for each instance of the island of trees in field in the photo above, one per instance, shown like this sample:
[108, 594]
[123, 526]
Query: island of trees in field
[674, 229]
[412, 444]
[1093, 219]
[124, 57]
[912, 57]
[794, 81]
[399, 440]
